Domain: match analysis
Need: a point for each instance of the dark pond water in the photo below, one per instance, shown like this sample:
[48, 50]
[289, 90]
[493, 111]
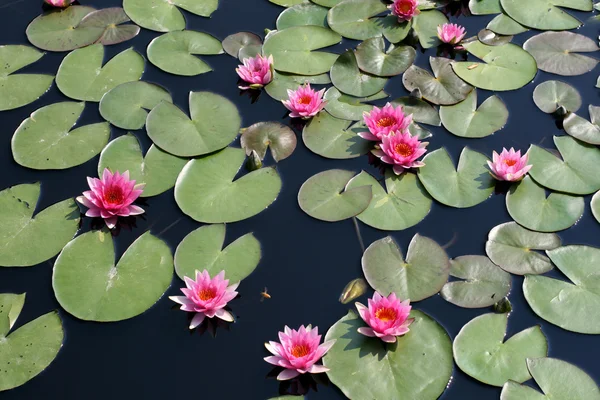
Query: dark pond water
[305, 263]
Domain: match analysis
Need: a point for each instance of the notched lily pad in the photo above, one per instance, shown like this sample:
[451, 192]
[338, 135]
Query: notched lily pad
[551, 96]
[582, 129]
[348, 78]
[278, 137]
[336, 138]
[163, 15]
[112, 21]
[557, 52]
[466, 120]
[372, 57]
[234, 43]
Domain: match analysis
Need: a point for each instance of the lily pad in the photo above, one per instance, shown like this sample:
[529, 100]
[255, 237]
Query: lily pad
[513, 248]
[348, 107]
[292, 49]
[466, 120]
[572, 306]
[175, 52]
[27, 240]
[492, 38]
[158, 169]
[551, 96]
[484, 7]
[582, 129]
[403, 205]
[279, 138]
[45, 139]
[466, 186]
[81, 75]
[283, 82]
[422, 275]
[234, 43]
[502, 24]
[163, 15]
[18, 90]
[506, 67]
[11, 306]
[112, 22]
[425, 25]
[203, 249]
[557, 52]
[595, 206]
[206, 190]
[331, 137]
[288, 3]
[483, 284]
[214, 124]
[544, 14]
[348, 78]
[323, 196]
[528, 204]
[444, 87]
[421, 111]
[301, 15]
[372, 58]
[419, 365]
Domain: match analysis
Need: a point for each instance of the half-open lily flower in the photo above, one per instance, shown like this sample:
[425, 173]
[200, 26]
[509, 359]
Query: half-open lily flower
[59, 3]
[404, 9]
[451, 33]
[401, 150]
[509, 165]
[298, 352]
[304, 102]
[111, 197]
[206, 297]
[382, 121]
[387, 317]
[257, 71]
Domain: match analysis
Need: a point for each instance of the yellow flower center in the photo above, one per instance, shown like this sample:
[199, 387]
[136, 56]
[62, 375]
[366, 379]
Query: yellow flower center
[300, 350]
[403, 149]
[386, 314]
[386, 122]
[207, 294]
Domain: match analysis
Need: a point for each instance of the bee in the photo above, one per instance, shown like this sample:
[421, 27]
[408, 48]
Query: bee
[264, 295]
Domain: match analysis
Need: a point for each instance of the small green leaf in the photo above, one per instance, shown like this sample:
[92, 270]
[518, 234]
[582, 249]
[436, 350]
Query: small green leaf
[466, 120]
[347, 77]
[373, 59]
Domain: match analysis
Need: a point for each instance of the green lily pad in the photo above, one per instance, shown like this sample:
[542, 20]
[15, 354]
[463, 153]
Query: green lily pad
[577, 171]
[278, 137]
[288, 3]
[425, 25]
[81, 75]
[557, 52]
[582, 129]
[362, 20]
[27, 240]
[466, 120]
[466, 186]
[214, 124]
[443, 87]
[111, 21]
[483, 284]
[551, 96]
[484, 7]
[158, 169]
[283, 82]
[203, 249]
[512, 248]
[45, 139]
[336, 138]
[234, 43]
[421, 111]
[419, 365]
[502, 24]
[163, 15]
[175, 52]
[544, 14]
[481, 352]
[324, 196]
[292, 49]
[18, 90]
[491, 38]
[89, 286]
[422, 275]
[301, 15]
[30, 349]
[206, 190]
[373, 59]
[348, 78]
[403, 205]
[572, 306]
[528, 205]
[595, 206]
[348, 107]
[506, 67]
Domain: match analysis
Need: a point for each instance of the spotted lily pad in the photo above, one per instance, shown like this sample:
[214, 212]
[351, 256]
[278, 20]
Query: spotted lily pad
[336, 138]
[301, 15]
[11, 306]
[421, 111]
[348, 78]
[112, 21]
[557, 52]
[544, 14]
[283, 82]
[233, 44]
[582, 129]
[27, 240]
[163, 15]
[425, 25]
[348, 107]
[466, 120]
[551, 96]
[372, 58]
[278, 137]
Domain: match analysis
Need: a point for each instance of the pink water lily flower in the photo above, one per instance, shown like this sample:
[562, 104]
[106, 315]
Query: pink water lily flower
[304, 102]
[509, 165]
[257, 71]
[387, 317]
[59, 3]
[401, 150]
[111, 197]
[298, 352]
[206, 297]
[451, 33]
[404, 9]
[382, 121]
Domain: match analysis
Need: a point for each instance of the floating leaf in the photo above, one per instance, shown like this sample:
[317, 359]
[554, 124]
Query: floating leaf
[288, 3]
[158, 169]
[419, 366]
[347, 77]
[595, 206]
[326, 3]
[480, 350]
[373, 59]
[404, 204]
[110, 20]
[572, 306]
[444, 87]
[502, 24]
[483, 284]
[18, 90]
[491, 38]
[45, 139]
[301, 15]
[466, 120]
[528, 205]
[278, 137]
[348, 107]
[353, 290]
[551, 96]
[556, 52]
[544, 14]
[323, 196]
[163, 15]
[27, 240]
[234, 43]
[422, 275]
[466, 186]
[214, 124]
[207, 192]
[421, 111]
[10, 308]
[425, 25]
[283, 82]
[175, 52]
[81, 75]
[511, 247]
[484, 7]
[203, 249]
[582, 129]
[331, 137]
